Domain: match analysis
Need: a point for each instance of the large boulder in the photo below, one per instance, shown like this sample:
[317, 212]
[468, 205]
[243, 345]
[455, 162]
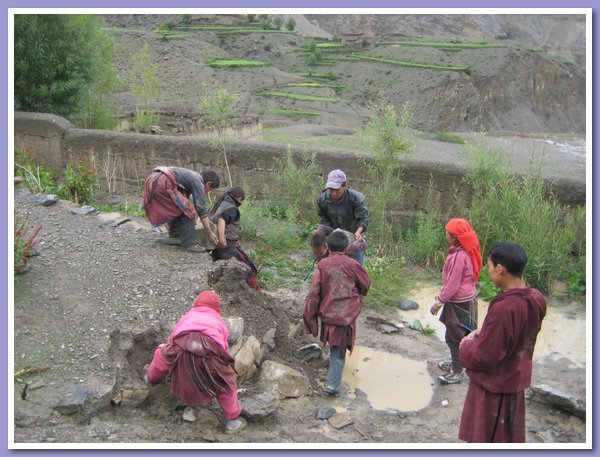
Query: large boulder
[284, 380]
[246, 356]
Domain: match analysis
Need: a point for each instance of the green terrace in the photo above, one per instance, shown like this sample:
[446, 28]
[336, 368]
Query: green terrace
[329, 76]
[448, 45]
[291, 112]
[308, 98]
[305, 85]
[405, 63]
[234, 63]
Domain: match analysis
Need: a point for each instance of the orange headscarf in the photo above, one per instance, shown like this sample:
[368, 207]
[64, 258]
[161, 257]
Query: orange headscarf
[467, 238]
[210, 299]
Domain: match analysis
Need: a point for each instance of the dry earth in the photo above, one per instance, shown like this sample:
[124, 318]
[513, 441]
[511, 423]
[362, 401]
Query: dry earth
[99, 298]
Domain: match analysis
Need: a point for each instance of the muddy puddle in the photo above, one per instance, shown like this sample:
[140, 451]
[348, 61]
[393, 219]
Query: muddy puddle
[391, 382]
[563, 331]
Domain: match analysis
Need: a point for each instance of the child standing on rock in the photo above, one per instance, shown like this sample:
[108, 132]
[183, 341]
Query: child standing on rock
[498, 357]
[335, 297]
[458, 296]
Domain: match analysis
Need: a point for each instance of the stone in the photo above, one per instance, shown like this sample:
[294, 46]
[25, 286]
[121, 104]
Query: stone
[408, 305]
[108, 218]
[386, 328]
[120, 221]
[262, 355]
[295, 330]
[247, 355]
[83, 210]
[324, 413]
[260, 405]
[339, 421]
[236, 328]
[44, 199]
[286, 381]
[189, 415]
[309, 352]
[569, 402]
[380, 321]
[131, 397]
[269, 339]
[73, 399]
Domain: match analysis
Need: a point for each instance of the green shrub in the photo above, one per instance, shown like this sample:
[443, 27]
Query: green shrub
[388, 281]
[80, 181]
[295, 198]
[144, 119]
[521, 209]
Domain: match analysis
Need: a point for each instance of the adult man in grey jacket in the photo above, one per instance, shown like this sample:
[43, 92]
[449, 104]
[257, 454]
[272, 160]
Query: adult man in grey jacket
[342, 207]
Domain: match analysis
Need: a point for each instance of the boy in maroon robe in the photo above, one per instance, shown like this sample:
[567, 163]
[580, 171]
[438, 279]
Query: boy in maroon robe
[498, 356]
[335, 296]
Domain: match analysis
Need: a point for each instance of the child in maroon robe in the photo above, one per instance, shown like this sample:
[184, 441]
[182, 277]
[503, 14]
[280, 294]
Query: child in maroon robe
[335, 296]
[498, 356]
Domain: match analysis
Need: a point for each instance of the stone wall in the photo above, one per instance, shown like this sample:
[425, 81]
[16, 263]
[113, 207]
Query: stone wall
[131, 156]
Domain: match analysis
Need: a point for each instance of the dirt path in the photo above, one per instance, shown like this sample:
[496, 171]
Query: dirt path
[97, 300]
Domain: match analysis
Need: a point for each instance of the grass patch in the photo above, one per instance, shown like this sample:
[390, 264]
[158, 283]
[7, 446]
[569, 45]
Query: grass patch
[448, 137]
[330, 45]
[328, 76]
[347, 142]
[305, 85]
[306, 98]
[233, 63]
[446, 45]
[123, 208]
[389, 282]
[405, 63]
[291, 112]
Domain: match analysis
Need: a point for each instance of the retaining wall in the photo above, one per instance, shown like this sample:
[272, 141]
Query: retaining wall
[131, 156]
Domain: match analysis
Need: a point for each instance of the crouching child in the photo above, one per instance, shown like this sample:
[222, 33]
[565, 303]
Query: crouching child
[335, 298]
[196, 358]
[498, 356]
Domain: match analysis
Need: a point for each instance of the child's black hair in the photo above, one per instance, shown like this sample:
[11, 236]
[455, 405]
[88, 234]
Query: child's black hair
[212, 176]
[317, 241]
[510, 255]
[337, 241]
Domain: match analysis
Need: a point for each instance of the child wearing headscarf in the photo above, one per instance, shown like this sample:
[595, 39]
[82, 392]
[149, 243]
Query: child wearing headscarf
[196, 358]
[458, 296]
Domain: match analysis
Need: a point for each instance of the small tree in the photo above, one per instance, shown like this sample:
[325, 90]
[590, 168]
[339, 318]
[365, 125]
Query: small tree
[144, 84]
[387, 135]
[264, 20]
[278, 22]
[314, 54]
[216, 107]
[290, 24]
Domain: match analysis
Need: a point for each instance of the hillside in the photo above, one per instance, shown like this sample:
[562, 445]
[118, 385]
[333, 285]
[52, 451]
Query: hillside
[515, 73]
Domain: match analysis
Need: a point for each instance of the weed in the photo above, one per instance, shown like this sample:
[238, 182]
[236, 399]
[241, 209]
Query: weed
[405, 63]
[389, 283]
[80, 181]
[290, 112]
[418, 326]
[23, 242]
[130, 209]
[144, 119]
[309, 98]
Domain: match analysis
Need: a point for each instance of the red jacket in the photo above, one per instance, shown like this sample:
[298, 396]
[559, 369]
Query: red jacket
[499, 358]
[335, 295]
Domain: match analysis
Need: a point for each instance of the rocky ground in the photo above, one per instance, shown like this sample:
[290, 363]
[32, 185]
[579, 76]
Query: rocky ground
[101, 293]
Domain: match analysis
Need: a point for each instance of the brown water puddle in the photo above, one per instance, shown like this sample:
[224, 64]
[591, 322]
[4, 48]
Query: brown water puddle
[563, 332]
[391, 382]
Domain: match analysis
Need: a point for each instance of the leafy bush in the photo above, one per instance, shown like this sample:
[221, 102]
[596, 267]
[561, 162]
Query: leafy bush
[388, 283]
[144, 119]
[61, 60]
[80, 182]
[23, 242]
[521, 209]
[295, 198]
[290, 24]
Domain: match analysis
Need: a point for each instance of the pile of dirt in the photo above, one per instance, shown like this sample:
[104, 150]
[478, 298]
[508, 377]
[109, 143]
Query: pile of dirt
[100, 295]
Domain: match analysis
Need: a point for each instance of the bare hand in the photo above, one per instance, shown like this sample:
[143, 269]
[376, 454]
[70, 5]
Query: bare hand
[213, 239]
[222, 244]
[435, 308]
